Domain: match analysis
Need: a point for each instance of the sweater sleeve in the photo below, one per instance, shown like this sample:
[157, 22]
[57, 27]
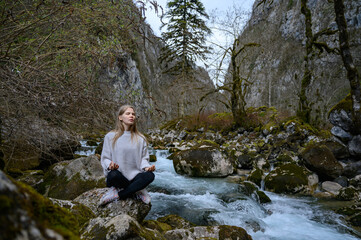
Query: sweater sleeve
[145, 156]
[106, 156]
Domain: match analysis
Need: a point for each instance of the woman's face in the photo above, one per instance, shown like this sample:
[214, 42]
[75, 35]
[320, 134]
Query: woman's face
[128, 118]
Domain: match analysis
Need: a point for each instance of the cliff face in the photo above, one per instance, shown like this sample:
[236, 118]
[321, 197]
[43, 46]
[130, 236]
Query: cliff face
[277, 66]
[138, 79]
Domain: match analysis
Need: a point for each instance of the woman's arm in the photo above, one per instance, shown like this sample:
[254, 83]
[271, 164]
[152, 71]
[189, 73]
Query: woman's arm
[145, 158]
[106, 156]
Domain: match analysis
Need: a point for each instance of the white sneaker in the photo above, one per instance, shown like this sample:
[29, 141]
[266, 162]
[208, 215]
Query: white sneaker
[109, 196]
[143, 195]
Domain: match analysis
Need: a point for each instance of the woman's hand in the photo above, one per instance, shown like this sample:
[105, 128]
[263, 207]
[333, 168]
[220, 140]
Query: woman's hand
[113, 166]
[150, 169]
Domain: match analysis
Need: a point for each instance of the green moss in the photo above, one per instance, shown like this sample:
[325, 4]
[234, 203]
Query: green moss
[152, 158]
[284, 158]
[41, 210]
[288, 178]
[156, 225]
[176, 222]
[256, 176]
[345, 104]
[233, 232]
[263, 198]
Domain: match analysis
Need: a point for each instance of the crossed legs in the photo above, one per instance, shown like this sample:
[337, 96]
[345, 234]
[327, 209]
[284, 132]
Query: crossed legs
[140, 181]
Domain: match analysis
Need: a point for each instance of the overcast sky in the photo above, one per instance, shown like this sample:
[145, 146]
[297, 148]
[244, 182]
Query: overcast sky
[221, 5]
[217, 38]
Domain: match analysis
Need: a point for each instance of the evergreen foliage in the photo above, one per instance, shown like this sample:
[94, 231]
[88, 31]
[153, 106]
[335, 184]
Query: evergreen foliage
[185, 36]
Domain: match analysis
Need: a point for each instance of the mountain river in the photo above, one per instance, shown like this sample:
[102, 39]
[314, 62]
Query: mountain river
[215, 201]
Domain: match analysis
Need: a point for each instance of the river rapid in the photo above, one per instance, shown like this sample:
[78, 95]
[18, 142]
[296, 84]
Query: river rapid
[216, 201]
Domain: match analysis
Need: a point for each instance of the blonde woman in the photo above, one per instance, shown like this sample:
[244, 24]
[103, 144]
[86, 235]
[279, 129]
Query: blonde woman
[125, 159]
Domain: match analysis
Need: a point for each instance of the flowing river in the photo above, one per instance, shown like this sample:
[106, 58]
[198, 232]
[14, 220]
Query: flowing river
[210, 201]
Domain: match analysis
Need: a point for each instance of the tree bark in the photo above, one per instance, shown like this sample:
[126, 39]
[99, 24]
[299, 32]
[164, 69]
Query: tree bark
[352, 73]
[304, 110]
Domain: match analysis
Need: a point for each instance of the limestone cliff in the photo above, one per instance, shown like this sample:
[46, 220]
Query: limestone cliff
[138, 79]
[277, 66]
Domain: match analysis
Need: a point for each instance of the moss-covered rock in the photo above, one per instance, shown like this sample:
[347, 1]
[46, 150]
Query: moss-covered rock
[288, 178]
[32, 177]
[152, 158]
[156, 225]
[81, 212]
[352, 214]
[209, 232]
[233, 232]
[321, 160]
[134, 208]
[175, 221]
[24, 212]
[348, 194]
[118, 227]
[256, 176]
[202, 162]
[263, 198]
[67, 180]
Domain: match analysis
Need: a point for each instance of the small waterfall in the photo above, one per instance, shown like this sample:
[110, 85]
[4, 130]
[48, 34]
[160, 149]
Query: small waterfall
[209, 201]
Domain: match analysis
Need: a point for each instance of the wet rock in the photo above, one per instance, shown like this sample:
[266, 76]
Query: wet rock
[341, 134]
[152, 158]
[250, 189]
[134, 208]
[202, 162]
[331, 187]
[25, 214]
[256, 176]
[354, 146]
[208, 232]
[320, 159]
[288, 178]
[352, 214]
[67, 180]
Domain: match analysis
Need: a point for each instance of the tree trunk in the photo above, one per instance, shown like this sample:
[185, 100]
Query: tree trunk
[352, 73]
[304, 109]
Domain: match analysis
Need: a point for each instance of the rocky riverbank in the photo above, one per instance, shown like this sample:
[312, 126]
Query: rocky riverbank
[286, 157]
[278, 155]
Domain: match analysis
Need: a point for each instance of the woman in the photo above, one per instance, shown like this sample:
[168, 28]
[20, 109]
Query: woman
[125, 159]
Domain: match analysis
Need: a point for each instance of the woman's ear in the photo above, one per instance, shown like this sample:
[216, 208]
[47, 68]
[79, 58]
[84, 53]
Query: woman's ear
[120, 118]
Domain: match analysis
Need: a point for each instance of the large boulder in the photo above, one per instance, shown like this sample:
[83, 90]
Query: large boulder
[134, 208]
[339, 150]
[202, 162]
[68, 179]
[118, 227]
[36, 144]
[341, 118]
[320, 159]
[291, 178]
[208, 232]
[25, 214]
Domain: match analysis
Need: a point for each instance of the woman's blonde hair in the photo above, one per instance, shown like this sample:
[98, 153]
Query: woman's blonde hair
[119, 127]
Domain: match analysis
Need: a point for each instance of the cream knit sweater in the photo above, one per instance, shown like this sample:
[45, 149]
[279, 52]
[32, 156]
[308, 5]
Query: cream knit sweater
[131, 156]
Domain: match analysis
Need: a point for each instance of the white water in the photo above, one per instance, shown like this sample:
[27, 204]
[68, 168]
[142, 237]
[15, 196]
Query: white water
[84, 149]
[216, 201]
